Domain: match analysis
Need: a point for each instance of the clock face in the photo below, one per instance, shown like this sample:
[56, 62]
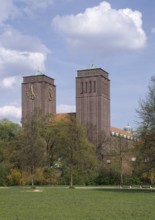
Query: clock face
[31, 92]
[50, 93]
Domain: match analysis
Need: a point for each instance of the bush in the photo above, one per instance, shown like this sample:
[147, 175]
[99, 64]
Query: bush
[39, 178]
[14, 177]
[132, 180]
[107, 177]
[51, 176]
[150, 177]
[3, 175]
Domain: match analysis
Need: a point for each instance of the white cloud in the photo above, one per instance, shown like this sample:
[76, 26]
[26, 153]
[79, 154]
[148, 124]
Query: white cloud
[13, 62]
[10, 111]
[13, 39]
[102, 29]
[65, 108]
[9, 82]
[20, 54]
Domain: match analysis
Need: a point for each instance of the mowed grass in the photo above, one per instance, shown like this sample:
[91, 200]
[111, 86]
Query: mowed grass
[17, 203]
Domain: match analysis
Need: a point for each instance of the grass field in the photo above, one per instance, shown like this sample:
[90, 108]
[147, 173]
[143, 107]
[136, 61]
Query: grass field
[17, 203]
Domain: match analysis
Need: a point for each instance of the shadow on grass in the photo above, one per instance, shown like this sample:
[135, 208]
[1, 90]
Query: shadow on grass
[126, 190]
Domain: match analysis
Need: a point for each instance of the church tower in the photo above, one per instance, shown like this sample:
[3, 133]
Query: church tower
[93, 99]
[38, 93]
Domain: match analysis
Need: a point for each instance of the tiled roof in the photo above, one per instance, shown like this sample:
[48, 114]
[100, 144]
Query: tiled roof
[114, 131]
[61, 116]
[120, 131]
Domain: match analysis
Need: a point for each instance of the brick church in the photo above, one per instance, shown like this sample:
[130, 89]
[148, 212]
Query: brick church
[92, 110]
[92, 99]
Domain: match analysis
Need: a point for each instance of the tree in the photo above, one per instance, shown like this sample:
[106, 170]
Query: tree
[50, 132]
[77, 154]
[29, 152]
[4, 161]
[121, 149]
[145, 149]
[8, 131]
[146, 111]
[101, 141]
[146, 146]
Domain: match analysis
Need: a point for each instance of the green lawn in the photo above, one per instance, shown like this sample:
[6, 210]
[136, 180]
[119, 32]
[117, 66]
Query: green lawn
[17, 203]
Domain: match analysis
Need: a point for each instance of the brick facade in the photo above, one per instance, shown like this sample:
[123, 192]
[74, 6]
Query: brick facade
[93, 99]
[38, 92]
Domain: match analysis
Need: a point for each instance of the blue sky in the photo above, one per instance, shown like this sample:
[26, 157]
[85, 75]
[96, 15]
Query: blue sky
[60, 37]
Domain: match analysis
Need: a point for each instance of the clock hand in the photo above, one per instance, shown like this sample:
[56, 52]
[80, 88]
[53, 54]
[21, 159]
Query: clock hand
[50, 94]
[33, 96]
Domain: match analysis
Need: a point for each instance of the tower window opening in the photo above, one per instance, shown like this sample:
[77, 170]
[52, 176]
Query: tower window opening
[90, 88]
[94, 86]
[82, 88]
[85, 87]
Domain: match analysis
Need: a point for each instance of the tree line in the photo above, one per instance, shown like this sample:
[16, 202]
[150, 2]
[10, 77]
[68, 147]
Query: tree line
[46, 151]
[49, 151]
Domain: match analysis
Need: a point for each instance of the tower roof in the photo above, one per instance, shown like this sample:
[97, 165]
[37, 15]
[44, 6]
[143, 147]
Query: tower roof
[93, 71]
[38, 73]
[128, 128]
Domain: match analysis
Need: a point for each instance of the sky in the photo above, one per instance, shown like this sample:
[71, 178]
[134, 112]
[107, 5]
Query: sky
[59, 37]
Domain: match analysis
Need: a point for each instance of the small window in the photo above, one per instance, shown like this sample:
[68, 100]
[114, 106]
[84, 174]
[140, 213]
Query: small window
[90, 86]
[94, 86]
[85, 87]
[81, 87]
